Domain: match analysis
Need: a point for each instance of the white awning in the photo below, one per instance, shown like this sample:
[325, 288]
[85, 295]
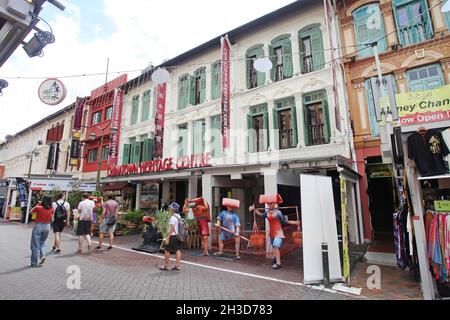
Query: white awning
[445, 176]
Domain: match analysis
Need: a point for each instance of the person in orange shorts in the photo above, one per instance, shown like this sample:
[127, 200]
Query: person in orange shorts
[201, 211]
[276, 223]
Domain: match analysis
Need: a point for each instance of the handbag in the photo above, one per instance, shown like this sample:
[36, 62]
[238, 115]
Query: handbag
[112, 218]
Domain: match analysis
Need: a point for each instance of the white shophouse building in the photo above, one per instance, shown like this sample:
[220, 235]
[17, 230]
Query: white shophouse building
[283, 122]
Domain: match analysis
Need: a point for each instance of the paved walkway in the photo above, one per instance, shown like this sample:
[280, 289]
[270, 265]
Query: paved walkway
[124, 274]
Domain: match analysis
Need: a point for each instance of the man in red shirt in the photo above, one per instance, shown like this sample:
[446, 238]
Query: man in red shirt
[44, 216]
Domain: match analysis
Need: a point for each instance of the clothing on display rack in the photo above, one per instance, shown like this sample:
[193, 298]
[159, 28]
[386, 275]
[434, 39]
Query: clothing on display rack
[427, 148]
[446, 136]
[439, 244]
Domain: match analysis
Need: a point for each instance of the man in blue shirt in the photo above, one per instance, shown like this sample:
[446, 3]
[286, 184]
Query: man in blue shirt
[230, 220]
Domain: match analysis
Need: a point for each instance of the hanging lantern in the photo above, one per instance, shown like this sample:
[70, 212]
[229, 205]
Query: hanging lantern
[263, 64]
[160, 76]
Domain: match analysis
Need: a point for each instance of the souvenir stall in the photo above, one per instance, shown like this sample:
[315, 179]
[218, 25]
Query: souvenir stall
[421, 227]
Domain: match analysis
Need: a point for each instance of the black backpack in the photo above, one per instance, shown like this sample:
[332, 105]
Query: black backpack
[60, 212]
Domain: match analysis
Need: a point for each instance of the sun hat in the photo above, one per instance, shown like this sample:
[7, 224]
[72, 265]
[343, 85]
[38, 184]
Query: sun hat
[175, 207]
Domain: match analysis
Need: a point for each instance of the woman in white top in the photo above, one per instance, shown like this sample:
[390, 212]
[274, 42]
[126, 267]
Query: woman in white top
[171, 241]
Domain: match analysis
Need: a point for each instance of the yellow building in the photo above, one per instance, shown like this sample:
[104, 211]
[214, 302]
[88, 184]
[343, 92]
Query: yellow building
[413, 41]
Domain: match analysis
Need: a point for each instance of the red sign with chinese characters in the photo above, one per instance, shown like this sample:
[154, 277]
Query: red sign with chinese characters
[163, 165]
[79, 105]
[115, 123]
[225, 92]
[159, 120]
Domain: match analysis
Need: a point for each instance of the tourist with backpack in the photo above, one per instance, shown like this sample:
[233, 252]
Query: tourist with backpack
[60, 220]
[174, 238]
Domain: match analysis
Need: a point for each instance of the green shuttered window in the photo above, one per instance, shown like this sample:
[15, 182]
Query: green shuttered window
[317, 119]
[136, 152]
[183, 91]
[146, 106]
[312, 56]
[258, 129]
[413, 21]
[254, 78]
[147, 150]
[280, 51]
[198, 138]
[216, 136]
[216, 80]
[285, 124]
[126, 153]
[369, 27]
[182, 140]
[425, 78]
[134, 110]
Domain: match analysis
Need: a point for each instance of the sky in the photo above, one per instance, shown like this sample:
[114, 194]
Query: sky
[132, 34]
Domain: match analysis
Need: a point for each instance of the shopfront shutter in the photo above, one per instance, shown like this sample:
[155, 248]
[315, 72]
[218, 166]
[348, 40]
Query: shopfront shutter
[273, 58]
[251, 133]
[126, 153]
[288, 68]
[294, 125]
[266, 130]
[276, 128]
[317, 49]
[261, 76]
[191, 90]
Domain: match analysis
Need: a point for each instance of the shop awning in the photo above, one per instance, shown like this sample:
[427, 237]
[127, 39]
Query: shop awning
[115, 186]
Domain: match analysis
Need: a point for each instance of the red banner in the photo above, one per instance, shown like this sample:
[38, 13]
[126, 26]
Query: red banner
[79, 105]
[159, 120]
[115, 123]
[226, 91]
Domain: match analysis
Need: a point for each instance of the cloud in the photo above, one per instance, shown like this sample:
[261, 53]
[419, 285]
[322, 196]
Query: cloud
[145, 30]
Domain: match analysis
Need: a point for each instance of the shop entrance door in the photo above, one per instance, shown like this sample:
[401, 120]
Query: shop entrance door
[181, 192]
[381, 205]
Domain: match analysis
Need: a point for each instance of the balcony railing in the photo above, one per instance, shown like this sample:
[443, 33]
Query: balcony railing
[308, 64]
[415, 33]
[285, 139]
[315, 135]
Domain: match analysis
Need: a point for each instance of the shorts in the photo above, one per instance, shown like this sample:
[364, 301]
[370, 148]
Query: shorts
[84, 228]
[174, 245]
[58, 226]
[276, 242]
[104, 228]
[224, 236]
[203, 227]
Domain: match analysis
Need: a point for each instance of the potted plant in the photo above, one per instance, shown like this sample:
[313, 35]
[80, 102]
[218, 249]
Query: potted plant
[133, 219]
[162, 218]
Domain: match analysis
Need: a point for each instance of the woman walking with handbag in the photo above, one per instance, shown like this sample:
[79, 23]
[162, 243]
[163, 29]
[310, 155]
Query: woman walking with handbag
[108, 221]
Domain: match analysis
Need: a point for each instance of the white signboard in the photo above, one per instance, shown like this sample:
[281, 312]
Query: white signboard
[52, 92]
[319, 225]
[62, 185]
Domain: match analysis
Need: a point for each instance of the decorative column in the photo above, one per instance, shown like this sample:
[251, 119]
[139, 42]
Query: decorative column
[445, 62]
[138, 196]
[400, 77]
[437, 17]
[389, 23]
[348, 31]
[270, 107]
[300, 119]
[192, 190]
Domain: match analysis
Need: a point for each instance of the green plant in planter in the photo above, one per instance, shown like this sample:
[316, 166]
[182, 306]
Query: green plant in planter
[134, 217]
[162, 219]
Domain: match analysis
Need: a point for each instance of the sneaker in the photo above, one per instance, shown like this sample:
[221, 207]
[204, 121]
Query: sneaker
[37, 266]
[98, 247]
[58, 251]
[110, 247]
[274, 261]
[42, 261]
[276, 266]
[238, 257]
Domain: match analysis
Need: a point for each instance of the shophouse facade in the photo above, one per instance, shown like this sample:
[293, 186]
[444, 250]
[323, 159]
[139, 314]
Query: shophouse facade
[98, 128]
[282, 122]
[413, 42]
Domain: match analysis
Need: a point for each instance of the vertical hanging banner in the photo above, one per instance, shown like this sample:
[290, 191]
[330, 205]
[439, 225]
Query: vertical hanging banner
[226, 91]
[345, 252]
[334, 63]
[159, 119]
[115, 123]
[79, 105]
